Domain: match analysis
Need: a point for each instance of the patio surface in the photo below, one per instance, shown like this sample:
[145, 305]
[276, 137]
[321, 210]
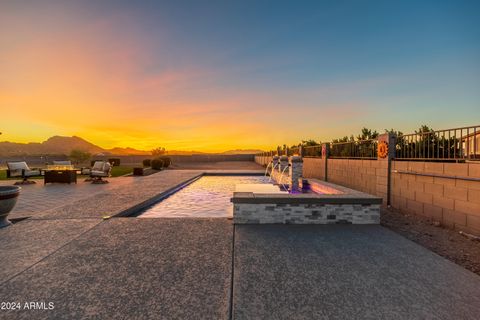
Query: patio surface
[129, 268]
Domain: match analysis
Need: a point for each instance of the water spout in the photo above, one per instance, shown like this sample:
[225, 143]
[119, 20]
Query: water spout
[266, 169]
[280, 180]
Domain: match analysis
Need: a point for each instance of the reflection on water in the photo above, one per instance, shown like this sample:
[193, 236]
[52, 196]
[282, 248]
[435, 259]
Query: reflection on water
[209, 196]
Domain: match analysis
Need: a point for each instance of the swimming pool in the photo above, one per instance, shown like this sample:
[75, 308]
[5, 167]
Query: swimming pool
[207, 197]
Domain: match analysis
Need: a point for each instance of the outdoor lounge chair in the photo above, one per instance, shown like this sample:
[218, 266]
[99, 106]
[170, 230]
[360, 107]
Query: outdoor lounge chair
[100, 169]
[21, 169]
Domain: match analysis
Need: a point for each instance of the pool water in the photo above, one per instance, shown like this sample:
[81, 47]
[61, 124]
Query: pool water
[208, 196]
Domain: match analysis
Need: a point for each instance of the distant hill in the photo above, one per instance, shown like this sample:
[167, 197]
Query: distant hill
[54, 145]
[184, 152]
[242, 151]
[128, 152]
[57, 145]
[65, 145]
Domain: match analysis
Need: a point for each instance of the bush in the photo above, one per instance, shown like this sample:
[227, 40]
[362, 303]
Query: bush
[147, 162]
[166, 161]
[156, 164]
[158, 151]
[79, 156]
[115, 162]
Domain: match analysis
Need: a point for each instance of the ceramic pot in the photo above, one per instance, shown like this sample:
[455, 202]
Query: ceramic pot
[8, 199]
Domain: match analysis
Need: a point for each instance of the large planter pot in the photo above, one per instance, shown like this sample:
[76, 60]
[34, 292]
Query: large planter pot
[8, 199]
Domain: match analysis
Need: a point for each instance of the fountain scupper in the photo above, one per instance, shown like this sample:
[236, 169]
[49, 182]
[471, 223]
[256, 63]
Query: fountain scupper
[286, 172]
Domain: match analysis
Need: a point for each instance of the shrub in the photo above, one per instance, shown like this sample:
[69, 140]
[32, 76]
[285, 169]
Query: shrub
[166, 161]
[158, 151]
[79, 156]
[147, 162]
[115, 162]
[156, 164]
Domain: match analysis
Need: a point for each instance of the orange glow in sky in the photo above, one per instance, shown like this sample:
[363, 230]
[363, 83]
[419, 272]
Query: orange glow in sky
[89, 81]
[119, 77]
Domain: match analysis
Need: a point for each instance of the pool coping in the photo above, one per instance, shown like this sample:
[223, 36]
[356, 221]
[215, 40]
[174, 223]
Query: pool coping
[347, 196]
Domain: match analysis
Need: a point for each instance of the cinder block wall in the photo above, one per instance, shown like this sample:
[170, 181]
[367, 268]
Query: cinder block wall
[314, 168]
[263, 160]
[368, 176]
[453, 202]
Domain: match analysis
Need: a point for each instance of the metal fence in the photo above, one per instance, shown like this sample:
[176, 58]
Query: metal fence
[312, 151]
[361, 149]
[451, 144]
[458, 144]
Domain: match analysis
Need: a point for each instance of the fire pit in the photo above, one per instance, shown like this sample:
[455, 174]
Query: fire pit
[8, 198]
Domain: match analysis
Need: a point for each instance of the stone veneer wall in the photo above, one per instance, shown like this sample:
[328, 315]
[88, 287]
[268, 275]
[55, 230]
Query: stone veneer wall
[253, 213]
[452, 202]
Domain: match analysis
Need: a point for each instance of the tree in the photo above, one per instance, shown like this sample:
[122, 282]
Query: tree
[158, 151]
[355, 147]
[367, 134]
[425, 142]
[79, 156]
[310, 142]
[424, 129]
[344, 139]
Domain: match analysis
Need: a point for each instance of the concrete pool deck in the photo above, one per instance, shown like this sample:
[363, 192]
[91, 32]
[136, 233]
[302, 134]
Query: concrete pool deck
[130, 268]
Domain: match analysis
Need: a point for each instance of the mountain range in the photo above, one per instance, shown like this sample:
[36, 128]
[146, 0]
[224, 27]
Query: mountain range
[64, 145]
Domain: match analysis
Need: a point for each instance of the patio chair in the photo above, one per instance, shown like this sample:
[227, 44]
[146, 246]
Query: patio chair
[21, 169]
[100, 170]
[86, 170]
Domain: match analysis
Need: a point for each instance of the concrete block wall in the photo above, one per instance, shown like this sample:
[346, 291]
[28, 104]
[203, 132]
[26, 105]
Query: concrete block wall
[314, 168]
[368, 176]
[263, 160]
[453, 202]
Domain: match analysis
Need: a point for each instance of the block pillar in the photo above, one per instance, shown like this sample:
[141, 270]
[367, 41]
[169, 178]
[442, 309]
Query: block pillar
[283, 163]
[295, 172]
[275, 162]
[325, 155]
[386, 144]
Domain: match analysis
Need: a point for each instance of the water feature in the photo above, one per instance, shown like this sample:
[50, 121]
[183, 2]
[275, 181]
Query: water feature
[273, 168]
[280, 180]
[207, 197]
[268, 165]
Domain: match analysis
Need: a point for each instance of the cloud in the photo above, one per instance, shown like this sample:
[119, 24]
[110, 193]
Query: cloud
[105, 78]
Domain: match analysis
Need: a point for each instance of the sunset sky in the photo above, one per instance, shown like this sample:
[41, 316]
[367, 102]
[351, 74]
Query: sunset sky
[219, 75]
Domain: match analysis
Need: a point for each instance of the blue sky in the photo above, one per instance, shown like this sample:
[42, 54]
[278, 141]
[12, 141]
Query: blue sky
[221, 70]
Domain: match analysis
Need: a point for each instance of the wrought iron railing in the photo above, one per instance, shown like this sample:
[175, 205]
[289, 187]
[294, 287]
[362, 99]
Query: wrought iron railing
[312, 151]
[293, 151]
[361, 149]
[456, 144]
[451, 144]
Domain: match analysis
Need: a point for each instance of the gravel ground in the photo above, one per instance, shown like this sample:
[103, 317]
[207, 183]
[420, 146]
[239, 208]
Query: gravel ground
[448, 243]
